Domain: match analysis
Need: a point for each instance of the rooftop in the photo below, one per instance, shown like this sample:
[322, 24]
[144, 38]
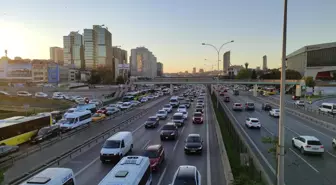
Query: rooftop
[312, 48]
[153, 147]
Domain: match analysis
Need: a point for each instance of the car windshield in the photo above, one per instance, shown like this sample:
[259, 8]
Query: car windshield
[126, 104]
[169, 127]
[193, 139]
[173, 100]
[276, 110]
[151, 119]
[96, 115]
[238, 104]
[42, 131]
[250, 104]
[166, 106]
[197, 115]
[254, 121]
[177, 117]
[162, 112]
[199, 106]
[151, 154]
[314, 143]
[111, 144]
[71, 120]
[184, 181]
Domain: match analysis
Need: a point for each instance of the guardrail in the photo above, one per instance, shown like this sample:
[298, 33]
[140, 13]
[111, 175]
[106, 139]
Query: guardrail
[249, 157]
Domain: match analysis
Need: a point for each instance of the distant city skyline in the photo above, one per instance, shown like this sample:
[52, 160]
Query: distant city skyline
[161, 31]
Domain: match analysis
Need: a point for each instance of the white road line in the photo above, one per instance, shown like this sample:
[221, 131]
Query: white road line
[208, 146]
[162, 175]
[159, 130]
[293, 131]
[302, 124]
[270, 132]
[146, 144]
[331, 154]
[311, 166]
[87, 166]
[178, 139]
[137, 128]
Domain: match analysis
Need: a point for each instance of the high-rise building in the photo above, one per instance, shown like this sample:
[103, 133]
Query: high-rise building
[201, 70]
[264, 67]
[73, 50]
[98, 47]
[159, 69]
[119, 60]
[143, 63]
[194, 70]
[226, 61]
[56, 55]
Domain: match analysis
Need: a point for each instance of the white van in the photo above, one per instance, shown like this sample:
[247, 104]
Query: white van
[76, 119]
[116, 147]
[53, 176]
[174, 101]
[329, 108]
[129, 171]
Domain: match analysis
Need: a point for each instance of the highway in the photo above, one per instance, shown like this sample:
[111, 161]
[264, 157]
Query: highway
[89, 170]
[299, 169]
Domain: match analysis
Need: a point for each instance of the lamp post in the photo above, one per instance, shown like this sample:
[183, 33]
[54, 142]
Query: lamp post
[218, 52]
[281, 134]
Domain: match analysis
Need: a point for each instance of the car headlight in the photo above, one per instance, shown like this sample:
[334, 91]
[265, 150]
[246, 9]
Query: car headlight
[172, 133]
[185, 147]
[40, 138]
[199, 148]
[161, 133]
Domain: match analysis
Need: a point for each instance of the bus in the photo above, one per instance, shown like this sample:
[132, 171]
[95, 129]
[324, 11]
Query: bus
[19, 129]
[130, 170]
[53, 176]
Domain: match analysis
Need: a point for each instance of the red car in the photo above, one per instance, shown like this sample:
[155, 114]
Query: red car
[102, 110]
[295, 97]
[198, 117]
[156, 155]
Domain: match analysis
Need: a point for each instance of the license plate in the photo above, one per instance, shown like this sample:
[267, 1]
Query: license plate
[192, 150]
[315, 148]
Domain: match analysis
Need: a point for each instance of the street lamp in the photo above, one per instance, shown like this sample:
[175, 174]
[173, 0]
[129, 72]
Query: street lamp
[218, 52]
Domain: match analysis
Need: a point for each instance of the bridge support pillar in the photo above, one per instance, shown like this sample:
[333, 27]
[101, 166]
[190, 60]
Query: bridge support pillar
[255, 90]
[171, 89]
[298, 90]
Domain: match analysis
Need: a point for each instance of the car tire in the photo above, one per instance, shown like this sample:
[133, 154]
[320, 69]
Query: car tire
[131, 149]
[302, 151]
[293, 145]
[333, 145]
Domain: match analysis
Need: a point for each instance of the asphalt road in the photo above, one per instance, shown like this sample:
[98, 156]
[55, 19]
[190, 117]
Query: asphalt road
[89, 170]
[299, 169]
[36, 159]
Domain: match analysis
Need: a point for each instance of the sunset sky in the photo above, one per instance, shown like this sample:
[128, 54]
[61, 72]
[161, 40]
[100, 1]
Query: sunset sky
[173, 30]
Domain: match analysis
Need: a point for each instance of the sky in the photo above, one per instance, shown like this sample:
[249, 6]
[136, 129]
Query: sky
[173, 30]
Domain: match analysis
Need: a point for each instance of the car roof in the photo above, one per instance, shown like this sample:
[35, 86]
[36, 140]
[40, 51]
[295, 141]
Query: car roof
[153, 147]
[237, 103]
[178, 113]
[186, 171]
[198, 113]
[254, 119]
[152, 117]
[311, 138]
[194, 135]
[170, 123]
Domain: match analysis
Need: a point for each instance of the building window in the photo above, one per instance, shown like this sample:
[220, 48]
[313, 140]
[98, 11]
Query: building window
[322, 57]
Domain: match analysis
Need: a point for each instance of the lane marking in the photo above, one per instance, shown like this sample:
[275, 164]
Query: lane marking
[304, 125]
[137, 128]
[159, 130]
[333, 155]
[178, 139]
[87, 166]
[311, 166]
[162, 175]
[208, 145]
[146, 144]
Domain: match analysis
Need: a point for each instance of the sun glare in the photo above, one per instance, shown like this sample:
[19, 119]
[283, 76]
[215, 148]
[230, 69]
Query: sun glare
[12, 38]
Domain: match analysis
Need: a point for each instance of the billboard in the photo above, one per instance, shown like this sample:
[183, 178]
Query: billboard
[53, 73]
[19, 69]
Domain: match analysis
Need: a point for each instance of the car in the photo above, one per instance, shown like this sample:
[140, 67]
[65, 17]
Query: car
[308, 144]
[249, 106]
[237, 106]
[162, 114]
[111, 110]
[222, 93]
[266, 107]
[334, 143]
[96, 101]
[8, 149]
[193, 144]
[186, 103]
[169, 131]
[144, 100]
[152, 122]
[4, 93]
[199, 108]
[168, 108]
[186, 174]
[135, 103]
[295, 97]
[155, 95]
[252, 123]
[191, 98]
[274, 113]
[23, 93]
[98, 116]
[156, 155]
[46, 133]
[226, 99]
[180, 98]
[41, 95]
[150, 97]
[200, 102]
[125, 105]
[235, 92]
[178, 119]
[300, 103]
[185, 114]
[198, 117]
[102, 110]
[182, 108]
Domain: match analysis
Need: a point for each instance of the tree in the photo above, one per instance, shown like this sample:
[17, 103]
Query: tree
[120, 80]
[95, 77]
[246, 65]
[254, 74]
[276, 74]
[243, 74]
[310, 82]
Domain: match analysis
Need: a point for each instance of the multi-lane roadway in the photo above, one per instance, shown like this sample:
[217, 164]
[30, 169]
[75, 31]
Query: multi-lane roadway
[89, 170]
[299, 169]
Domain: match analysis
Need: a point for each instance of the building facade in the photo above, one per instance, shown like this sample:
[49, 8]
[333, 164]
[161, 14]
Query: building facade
[40, 70]
[143, 63]
[57, 55]
[264, 66]
[73, 50]
[194, 70]
[119, 63]
[160, 69]
[226, 61]
[73, 75]
[318, 61]
[57, 73]
[98, 47]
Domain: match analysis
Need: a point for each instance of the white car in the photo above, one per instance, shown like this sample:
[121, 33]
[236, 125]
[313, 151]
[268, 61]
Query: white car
[119, 104]
[96, 101]
[23, 93]
[162, 114]
[308, 144]
[274, 112]
[299, 103]
[167, 108]
[334, 143]
[160, 93]
[41, 95]
[252, 123]
[156, 95]
[182, 108]
[144, 100]
[134, 102]
[4, 93]
[126, 105]
[150, 97]
[185, 114]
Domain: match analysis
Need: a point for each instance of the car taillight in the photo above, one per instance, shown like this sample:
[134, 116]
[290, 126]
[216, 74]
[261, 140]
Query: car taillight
[322, 146]
[308, 146]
